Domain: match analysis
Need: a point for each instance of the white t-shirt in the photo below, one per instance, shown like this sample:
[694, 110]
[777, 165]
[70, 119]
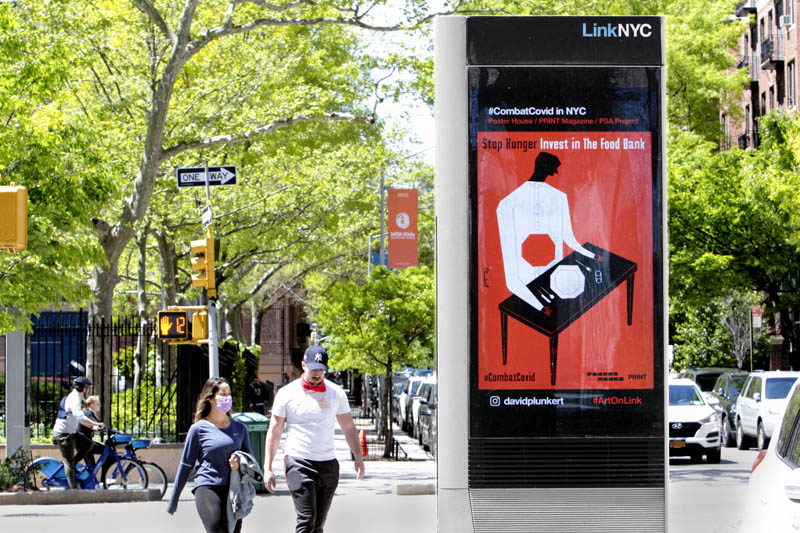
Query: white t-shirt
[310, 419]
[73, 406]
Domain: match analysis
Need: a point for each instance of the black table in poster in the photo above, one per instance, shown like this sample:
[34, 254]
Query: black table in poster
[601, 277]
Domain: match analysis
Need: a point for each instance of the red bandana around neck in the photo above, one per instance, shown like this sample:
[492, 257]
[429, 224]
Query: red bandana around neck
[308, 386]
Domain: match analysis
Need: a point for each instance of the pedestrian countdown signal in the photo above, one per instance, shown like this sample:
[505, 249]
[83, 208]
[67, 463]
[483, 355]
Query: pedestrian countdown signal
[174, 325]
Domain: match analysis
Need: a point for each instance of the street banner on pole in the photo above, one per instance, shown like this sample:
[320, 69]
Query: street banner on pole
[403, 206]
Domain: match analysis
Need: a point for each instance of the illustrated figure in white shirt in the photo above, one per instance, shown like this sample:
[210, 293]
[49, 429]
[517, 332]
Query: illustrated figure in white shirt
[534, 208]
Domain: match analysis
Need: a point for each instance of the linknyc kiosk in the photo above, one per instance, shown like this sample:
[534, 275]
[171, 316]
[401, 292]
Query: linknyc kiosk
[551, 276]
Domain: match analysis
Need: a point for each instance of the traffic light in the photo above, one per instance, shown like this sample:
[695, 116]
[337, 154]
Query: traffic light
[183, 325]
[13, 218]
[203, 263]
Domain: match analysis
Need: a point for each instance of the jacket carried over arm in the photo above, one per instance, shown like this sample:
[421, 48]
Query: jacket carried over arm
[241, 491]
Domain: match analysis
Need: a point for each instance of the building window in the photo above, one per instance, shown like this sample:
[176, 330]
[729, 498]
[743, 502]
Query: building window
[791, 91]
[772, 97]
[763, 110]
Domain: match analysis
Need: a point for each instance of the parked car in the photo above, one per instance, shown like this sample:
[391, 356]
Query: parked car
[403, 402]
[726, 390]
[693, 424]
[427, 420]
[413, 410]
[705, 377]
[760, 406]
[397, 389]
[773, 492]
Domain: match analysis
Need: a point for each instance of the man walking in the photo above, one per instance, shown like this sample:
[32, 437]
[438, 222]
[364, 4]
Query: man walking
[261, 395]
[73, 445]
[307, 408]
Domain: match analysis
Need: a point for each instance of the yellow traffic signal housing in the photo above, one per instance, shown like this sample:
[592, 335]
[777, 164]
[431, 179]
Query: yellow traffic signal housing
[202, 261]
[13, 218]
[200, 326]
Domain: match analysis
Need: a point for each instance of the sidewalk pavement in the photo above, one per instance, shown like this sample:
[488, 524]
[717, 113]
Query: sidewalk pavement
[360, 506]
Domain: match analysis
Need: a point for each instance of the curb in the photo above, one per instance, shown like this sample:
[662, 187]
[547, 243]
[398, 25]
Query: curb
[72, 496]
[415, 489]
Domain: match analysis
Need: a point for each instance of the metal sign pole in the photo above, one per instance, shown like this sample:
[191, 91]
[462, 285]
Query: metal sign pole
[213, 333]
[17, 432]
[213, 339]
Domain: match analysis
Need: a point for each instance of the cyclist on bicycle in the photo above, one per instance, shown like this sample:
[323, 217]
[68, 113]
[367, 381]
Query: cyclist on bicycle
[91, 410]
[72, 444]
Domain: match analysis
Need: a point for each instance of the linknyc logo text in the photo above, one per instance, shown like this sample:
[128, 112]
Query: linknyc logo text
[617, 30]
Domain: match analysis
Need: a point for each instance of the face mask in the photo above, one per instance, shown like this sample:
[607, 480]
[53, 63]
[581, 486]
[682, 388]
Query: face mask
[224, 403]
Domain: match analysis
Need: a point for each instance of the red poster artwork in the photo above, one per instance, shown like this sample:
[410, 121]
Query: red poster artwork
[565, 260]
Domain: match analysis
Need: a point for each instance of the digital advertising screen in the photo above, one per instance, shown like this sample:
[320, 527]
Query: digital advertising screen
[566, 248]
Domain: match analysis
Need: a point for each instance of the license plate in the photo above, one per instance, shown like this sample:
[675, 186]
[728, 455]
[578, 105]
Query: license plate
[677, 444]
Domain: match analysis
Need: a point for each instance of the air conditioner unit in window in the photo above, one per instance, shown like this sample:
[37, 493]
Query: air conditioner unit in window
[785, 20]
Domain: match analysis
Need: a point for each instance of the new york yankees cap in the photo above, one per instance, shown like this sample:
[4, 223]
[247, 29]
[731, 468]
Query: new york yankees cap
[316, 358]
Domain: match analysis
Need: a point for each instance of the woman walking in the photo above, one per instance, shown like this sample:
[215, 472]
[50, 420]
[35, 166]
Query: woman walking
[210, 447]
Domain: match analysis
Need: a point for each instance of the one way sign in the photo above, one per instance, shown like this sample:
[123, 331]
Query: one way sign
[196, 177]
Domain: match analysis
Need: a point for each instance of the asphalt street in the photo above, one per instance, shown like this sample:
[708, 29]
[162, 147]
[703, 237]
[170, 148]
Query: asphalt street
[367, 505]
[703, 498]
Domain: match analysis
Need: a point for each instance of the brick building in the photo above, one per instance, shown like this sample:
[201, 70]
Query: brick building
[769, 50]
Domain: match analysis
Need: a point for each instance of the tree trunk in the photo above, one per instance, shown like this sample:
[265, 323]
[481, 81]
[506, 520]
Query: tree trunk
[233, 318]
[140, 354]
[104, 280]
[169, 294]
[256, 321]
[787, 330]
[166, 255]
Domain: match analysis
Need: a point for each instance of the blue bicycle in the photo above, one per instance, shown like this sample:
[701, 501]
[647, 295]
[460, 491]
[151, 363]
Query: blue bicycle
[156, 477]
[116, 473]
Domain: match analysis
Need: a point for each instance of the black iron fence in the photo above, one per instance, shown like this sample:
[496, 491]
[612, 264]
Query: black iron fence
[134, 374]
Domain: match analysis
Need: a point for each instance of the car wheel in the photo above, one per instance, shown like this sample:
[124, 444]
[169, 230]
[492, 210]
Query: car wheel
[761, 438]
[741, 439]
[696, 458]
[727, 438]
[714, 457]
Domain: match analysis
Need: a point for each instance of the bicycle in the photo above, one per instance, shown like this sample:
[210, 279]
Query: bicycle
[156, 477]
[116, 473]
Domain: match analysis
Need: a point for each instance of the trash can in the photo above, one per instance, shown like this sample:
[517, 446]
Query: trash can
[257, 426]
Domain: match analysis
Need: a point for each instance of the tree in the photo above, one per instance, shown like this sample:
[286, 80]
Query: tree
[736, 319]
[734, 225]
[717, 333]
[58, 157]
[380, 326]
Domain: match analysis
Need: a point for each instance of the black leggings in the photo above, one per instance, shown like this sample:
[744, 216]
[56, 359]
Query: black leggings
[212, 506]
